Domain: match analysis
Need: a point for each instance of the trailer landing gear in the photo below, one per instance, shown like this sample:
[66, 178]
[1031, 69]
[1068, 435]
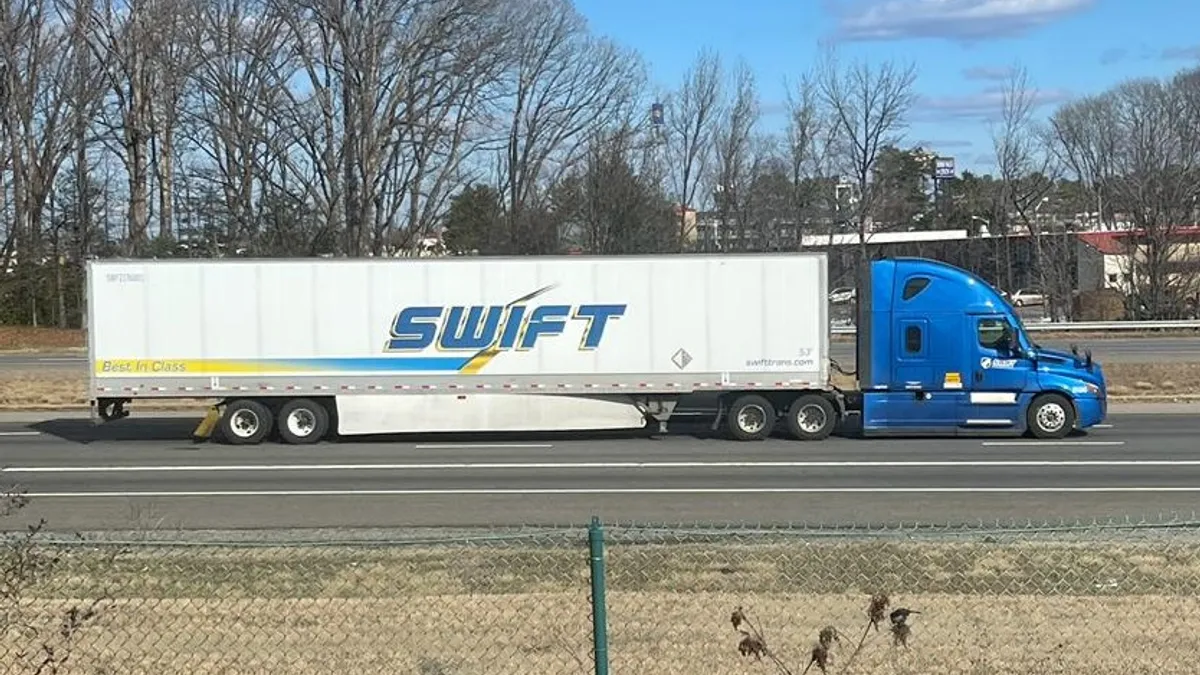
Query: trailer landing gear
[110, 409]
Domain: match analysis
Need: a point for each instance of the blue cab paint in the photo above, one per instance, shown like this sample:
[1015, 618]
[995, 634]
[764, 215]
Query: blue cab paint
[932, 358]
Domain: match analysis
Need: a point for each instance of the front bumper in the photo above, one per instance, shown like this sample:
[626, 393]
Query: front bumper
[1092, 410]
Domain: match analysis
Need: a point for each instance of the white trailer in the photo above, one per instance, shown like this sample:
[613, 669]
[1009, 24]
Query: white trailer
[300, 348]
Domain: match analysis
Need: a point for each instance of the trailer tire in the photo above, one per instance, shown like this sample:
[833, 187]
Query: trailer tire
[750, 418]
[246, 422]
[811, 417]
[1051, 416]
[302, 421]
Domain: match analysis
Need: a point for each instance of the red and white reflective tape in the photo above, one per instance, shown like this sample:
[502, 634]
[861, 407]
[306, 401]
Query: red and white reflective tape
[459, 387]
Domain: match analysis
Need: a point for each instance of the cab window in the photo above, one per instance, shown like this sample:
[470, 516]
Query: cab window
[991, 332]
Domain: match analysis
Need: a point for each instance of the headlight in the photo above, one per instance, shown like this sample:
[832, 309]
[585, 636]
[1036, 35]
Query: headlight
[1093, 389]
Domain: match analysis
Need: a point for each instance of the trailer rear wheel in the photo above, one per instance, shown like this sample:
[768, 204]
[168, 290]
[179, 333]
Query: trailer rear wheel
[246, 422]
[751, 418]
[811, 417]
[302, 421]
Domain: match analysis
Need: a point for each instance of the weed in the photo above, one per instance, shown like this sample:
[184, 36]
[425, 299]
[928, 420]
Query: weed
[754, 643]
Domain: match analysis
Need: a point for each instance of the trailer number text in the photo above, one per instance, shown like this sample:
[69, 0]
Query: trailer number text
[479, 327]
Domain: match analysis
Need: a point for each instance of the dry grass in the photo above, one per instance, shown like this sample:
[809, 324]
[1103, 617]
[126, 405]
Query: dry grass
[667, 633]
[28, 338]
[986, 609]
[1153, 379]
[61, 390]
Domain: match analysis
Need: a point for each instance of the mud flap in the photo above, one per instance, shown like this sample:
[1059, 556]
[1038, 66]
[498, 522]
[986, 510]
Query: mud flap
[205, 428]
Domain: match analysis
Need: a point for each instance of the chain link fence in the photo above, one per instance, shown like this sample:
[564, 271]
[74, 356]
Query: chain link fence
[1099, 598]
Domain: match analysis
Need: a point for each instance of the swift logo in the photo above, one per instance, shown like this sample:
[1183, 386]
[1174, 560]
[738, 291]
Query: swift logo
[487, 330]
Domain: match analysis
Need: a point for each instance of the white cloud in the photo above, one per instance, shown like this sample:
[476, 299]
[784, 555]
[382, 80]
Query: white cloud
[944, 144]
[988, 73]
[985, 105]
[1181, 53]
[949, 19]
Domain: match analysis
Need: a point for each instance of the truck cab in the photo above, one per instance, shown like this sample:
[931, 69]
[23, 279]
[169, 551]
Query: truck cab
[941, 352]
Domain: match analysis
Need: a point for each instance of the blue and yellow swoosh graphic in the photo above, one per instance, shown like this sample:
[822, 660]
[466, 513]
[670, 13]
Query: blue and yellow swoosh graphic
[466, 365]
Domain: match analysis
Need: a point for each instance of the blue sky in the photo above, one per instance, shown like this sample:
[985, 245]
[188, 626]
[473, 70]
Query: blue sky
[961, 48]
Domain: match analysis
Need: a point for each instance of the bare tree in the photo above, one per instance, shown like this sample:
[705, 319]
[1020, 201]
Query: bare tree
[811, 134]
[566, 85]
[394, 84]
[35, 109]
[868, 105]
[453, 95]
[88, 92]
[1027, 175]
[123, 38]
[243, 66]
[606, 206]
[692, 116]
[171, 62]
[1138, 143]
[735, 154]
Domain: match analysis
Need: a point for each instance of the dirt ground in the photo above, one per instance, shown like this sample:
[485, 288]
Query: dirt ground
[985, 608]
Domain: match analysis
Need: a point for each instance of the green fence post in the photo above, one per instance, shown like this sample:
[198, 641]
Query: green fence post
[599, 615]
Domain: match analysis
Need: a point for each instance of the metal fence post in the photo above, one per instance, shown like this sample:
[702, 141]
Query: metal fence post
[599, 614]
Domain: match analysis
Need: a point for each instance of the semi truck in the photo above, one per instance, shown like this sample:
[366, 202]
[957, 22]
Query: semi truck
[296, 351]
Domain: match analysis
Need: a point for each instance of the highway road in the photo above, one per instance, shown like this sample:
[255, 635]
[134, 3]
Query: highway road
[141, 473]
[1111, 350]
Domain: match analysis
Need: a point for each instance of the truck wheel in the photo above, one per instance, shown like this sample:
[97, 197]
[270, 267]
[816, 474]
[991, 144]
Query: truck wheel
[811, 418]
[246, 422]
[302, 422]
[751, 418]
[1051, 416]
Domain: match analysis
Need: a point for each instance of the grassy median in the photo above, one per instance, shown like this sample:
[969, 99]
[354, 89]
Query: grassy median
[986, 608]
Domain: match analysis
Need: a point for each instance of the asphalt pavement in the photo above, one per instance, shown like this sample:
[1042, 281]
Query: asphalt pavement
[1109, 350]
[142, 473]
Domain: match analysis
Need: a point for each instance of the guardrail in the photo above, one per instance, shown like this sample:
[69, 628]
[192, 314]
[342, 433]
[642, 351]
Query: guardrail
[1083, 326]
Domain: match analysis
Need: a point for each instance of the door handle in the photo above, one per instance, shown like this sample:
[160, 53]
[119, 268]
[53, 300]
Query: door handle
[979, 376]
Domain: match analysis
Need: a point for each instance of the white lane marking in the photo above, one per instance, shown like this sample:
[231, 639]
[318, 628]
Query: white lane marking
[1055, 444]
[483, 446]
[60, 359]
[20, 433]
[500, 466]
[604, 491]
[1102, 426]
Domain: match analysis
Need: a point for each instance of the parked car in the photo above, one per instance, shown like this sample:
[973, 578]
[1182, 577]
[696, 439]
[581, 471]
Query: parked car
[1028, 296]
[842, 294]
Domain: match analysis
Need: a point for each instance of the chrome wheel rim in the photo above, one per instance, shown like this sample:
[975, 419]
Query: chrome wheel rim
[752, 419]
[1051, 417]
[244, 423]
[811, 418]
[301, 422]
